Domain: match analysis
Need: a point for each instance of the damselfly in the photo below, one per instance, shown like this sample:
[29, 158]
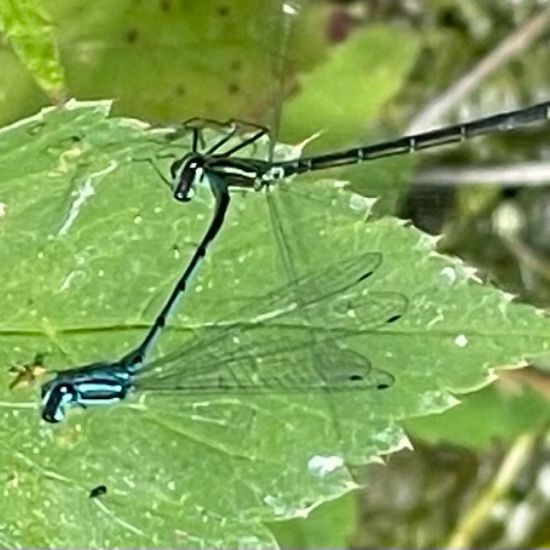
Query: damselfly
[266, 353]
[110, 381]
[223, 168]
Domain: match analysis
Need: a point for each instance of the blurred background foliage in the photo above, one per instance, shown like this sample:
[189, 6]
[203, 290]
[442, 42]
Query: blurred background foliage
[479, 475]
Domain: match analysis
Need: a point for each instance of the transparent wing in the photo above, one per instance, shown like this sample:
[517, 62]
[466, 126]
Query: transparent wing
[252, 354]
[312, 289]
[304, 292]
[289, 370]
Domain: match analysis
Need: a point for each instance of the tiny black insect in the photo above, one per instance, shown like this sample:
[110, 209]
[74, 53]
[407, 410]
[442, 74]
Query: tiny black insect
[98, 491]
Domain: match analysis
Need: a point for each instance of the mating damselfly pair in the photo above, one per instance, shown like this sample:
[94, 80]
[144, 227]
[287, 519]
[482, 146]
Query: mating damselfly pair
[251, 358]
[261, 356]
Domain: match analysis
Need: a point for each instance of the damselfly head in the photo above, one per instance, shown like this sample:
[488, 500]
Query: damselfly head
[186, 173]
[55, 397]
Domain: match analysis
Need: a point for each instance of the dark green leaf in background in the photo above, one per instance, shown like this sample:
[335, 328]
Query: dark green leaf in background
[509, 413]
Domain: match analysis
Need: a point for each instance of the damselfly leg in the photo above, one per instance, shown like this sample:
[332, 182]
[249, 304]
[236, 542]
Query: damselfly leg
[228, 130]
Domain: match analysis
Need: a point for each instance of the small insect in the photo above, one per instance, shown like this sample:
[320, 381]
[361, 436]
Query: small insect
[98, 491]
[27, 373]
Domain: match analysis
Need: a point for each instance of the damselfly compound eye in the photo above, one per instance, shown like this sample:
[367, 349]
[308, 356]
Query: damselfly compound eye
[185, 195]
[57, 396]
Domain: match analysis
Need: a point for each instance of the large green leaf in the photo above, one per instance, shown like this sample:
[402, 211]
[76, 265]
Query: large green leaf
[91, 244]
[163, 60]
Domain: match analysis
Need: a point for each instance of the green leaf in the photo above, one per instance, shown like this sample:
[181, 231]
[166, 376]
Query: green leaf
[92, 242]
[508, 414]
[348, 91]
[347, 94]
[187, 59]
[329, 526]
[30, 32]
[205, 58]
